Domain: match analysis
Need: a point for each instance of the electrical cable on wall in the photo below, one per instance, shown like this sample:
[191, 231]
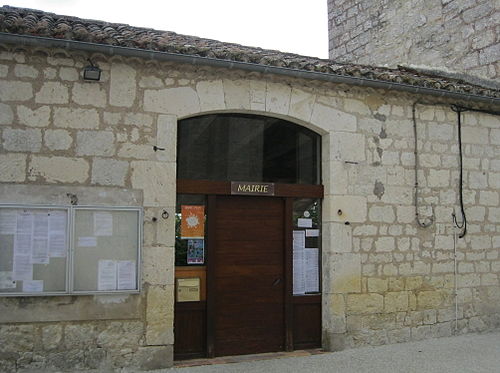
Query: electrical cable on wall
[462, 226]
[417, 217]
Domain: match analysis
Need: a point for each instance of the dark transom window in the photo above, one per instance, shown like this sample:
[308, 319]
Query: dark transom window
[229, 147]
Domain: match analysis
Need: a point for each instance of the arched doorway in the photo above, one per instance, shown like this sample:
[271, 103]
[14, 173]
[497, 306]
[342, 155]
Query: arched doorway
[247, 236]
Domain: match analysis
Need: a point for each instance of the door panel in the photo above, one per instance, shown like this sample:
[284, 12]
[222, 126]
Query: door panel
[248, 269]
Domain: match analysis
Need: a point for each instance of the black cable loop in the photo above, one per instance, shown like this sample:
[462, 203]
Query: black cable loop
[463, 225]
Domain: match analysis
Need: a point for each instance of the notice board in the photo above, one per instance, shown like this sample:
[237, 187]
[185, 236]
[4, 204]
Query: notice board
[58, 250]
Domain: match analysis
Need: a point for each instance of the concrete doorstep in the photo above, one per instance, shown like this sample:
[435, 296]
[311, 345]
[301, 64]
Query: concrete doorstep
[476, 353]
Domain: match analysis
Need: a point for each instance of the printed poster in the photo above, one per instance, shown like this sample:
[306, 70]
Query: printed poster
[193, 221]
[196, 252]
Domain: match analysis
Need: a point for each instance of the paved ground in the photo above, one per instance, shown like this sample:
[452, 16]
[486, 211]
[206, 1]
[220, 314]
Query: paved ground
[476, 353]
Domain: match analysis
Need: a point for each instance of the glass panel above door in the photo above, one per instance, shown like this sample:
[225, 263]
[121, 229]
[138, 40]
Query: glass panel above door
[235, 147]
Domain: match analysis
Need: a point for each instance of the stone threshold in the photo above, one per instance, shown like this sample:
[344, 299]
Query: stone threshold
[244, 358]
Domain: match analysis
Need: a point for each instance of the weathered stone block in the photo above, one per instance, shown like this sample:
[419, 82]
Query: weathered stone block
[109, 172]
[377, 285]
[211, 95]
[346, 146]
[15, 91]
[18, 140]
[34, 118]
[16, 338]
[12, 167]
[52, 93]
[365, 303]
[339, 237]
[138, 119]
[236, 94]
[167, 138]
[25, 71]
[158, 265]
[60, 169]
[301, 104]
[51, 336]
[6, 114]
[69, 74]
[345, 273]
[396, 301]
[160, 315]
[258, 95]
[76, 118]
[180, 101]
[332, 119]
[345, 209]
[89, 94]
[95, 143]
[119, 334]
[157, 180]
[384, 214]
[278, 98]
[122, 90]
[57, 139]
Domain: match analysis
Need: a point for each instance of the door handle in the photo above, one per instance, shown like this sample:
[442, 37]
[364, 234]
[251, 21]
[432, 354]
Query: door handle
[277, 281]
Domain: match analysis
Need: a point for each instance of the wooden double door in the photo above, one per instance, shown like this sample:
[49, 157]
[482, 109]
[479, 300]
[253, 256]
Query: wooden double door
[248, 264]
[248, 306]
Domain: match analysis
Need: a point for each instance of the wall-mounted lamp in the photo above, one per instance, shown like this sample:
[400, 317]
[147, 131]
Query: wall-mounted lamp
[91, 72]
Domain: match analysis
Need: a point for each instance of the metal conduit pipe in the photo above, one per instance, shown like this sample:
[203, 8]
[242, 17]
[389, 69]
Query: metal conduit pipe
[28, 40]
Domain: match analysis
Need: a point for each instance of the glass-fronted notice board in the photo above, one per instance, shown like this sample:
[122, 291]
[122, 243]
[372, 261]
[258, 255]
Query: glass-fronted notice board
[57, 250]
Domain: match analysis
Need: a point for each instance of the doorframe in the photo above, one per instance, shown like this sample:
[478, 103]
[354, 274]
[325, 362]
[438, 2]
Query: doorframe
[286, 191]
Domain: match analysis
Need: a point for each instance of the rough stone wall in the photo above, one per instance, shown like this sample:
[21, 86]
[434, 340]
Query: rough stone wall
[455, 35]
[384, 279]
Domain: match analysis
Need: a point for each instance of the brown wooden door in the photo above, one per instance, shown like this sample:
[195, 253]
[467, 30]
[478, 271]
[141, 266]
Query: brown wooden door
[248, 268]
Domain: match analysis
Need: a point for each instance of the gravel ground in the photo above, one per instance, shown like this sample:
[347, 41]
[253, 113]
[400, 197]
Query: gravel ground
[476, 353]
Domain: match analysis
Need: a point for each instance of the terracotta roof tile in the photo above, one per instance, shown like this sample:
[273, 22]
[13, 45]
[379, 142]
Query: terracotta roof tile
[33, 22]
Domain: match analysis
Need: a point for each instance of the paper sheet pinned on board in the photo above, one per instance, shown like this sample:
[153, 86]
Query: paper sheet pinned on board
[304, 223]
[103, 223]
[24, 233]
[22, 267]
[312, 232]
[57, 234]
[7, 221]
[311, 261]
[126, 275]
[106, 276]
[90, 241]
[32, 286]
[40, 244]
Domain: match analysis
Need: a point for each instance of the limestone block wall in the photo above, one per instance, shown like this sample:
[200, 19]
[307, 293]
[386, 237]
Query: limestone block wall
[384, 279]
[456, 35]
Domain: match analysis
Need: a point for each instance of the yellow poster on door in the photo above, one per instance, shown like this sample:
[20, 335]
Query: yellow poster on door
[193, 221]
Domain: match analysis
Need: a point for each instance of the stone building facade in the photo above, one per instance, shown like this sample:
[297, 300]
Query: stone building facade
[385, 279]
[450, 35]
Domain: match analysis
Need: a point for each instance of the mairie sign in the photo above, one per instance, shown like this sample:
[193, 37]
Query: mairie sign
[252, 188]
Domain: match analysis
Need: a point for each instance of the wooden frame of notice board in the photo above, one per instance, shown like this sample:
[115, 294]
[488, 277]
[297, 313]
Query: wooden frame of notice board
[48, 250]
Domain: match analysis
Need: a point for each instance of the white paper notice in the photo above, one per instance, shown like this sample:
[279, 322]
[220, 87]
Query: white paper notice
[299, 240]
[312, 232]
[103, 224]
[6, 280]
[311, 270]
[304, 223]
[24, 231]
[57, 234]
[33, 286]
[23, 269]
[298, 272]
[126, 275]
[106, 277]
[87, 241]
[7, 221]
[40, 244]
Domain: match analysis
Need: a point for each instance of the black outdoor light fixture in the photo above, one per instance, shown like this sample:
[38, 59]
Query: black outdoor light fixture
[91, 72]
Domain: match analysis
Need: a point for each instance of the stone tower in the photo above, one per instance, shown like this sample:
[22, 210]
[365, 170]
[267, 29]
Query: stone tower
[460, 36]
